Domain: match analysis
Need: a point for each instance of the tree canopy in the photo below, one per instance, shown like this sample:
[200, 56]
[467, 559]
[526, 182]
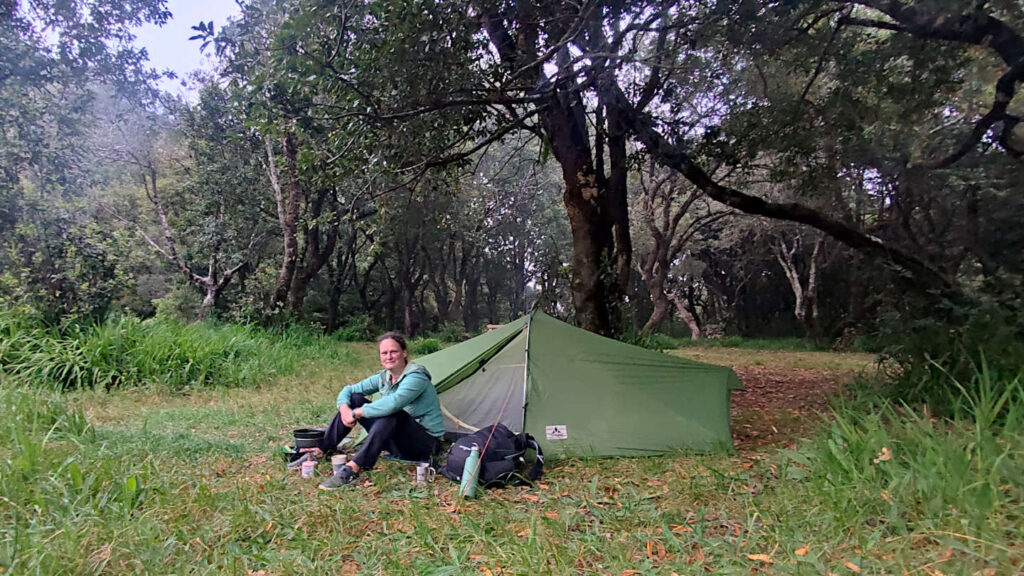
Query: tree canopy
[704, 167]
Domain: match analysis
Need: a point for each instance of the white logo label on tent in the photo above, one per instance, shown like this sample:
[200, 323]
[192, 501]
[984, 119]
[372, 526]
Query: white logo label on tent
[559, 432]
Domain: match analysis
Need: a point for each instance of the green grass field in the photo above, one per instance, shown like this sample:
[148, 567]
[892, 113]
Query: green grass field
[157, 480]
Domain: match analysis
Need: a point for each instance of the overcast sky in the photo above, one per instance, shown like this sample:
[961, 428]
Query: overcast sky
[169, 46]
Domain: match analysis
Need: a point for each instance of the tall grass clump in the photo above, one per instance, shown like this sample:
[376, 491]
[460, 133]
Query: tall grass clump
[927, 356]
[652, 341]
[357, 328]
[63, 493]
[126, 351]
[904, 479]
[424, 346]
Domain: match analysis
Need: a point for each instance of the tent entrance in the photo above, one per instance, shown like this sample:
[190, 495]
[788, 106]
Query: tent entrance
[494, 393]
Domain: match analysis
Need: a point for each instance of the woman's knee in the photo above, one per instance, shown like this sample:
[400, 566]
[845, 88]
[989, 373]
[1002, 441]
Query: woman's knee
[383, 424]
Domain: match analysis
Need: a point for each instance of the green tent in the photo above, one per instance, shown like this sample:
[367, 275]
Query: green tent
[579, 393]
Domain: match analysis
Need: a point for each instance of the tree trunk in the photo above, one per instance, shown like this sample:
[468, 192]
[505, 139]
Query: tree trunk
[471, 305]
[805, 308]
[596, 264]
[211, 285]
[519, 280]
[208, 302]
[317, 252]
[593, 246]
[408, 285]
[687, 316]
[618, 205]
[658, 314]
[785, 255]
[334, 274]
[287, 197]
[492, 294]
[653, 274]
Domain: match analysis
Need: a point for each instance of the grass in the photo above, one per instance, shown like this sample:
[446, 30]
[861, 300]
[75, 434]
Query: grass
[163, 481]
[782, 344]
[845, 362]
[161, 352]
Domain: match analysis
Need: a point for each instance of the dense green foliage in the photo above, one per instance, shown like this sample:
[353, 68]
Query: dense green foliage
[56, 58]
[162, 352]
[847, 172]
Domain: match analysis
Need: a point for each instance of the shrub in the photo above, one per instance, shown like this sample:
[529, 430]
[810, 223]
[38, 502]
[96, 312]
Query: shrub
[160, 351]
[655, 341]
[424, 346]
[790, 344]
[356, 329]
[929, 356]
[182, 303]
[451, 333]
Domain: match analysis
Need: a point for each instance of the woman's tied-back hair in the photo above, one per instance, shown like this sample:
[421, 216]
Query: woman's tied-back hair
[393, 336]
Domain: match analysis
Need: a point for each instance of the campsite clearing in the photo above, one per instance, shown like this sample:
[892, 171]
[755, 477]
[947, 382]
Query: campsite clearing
[193, 483]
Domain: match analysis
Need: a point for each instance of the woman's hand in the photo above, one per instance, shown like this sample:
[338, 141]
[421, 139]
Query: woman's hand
[348, 416]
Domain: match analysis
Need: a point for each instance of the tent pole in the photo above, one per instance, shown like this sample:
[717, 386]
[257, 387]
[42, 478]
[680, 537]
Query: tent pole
[526, 367]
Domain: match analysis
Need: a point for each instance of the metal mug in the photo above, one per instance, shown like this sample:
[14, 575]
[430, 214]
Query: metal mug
[424, 473]
[337, 461]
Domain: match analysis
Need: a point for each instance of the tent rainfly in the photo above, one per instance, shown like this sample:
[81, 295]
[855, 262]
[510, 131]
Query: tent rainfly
[581, 394]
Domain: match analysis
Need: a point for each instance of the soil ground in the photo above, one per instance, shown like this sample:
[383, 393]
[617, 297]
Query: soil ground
[780, 405]
[786, 393]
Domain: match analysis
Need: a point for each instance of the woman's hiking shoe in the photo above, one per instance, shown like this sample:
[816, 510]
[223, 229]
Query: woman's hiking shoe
[343, 477]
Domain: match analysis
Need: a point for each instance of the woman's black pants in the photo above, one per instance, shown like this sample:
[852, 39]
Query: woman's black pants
[398, 433]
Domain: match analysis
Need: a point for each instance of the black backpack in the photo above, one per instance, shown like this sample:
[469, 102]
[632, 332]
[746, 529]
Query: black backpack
[505, 457]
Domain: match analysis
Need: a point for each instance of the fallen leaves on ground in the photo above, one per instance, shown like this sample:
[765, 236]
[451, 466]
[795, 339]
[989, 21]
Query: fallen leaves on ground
[349, 568]
[656, 550]
[778, 403]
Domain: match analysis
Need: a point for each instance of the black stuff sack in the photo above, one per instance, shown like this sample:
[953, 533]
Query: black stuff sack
[505, 457]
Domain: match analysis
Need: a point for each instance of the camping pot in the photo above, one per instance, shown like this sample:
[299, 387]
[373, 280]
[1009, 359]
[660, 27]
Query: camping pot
[308, 437]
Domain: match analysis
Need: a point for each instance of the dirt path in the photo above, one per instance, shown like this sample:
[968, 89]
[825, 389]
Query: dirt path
[780, 405]
[786, 392]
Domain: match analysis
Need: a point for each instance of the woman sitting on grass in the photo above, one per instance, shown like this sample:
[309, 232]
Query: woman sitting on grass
[406, 420]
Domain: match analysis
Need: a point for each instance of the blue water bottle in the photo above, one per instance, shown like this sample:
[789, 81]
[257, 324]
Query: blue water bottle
[470, 470]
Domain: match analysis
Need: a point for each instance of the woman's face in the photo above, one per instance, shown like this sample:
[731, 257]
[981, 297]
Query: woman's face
[392, 357]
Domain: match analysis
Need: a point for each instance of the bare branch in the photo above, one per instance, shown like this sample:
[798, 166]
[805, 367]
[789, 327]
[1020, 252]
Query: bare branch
[821, 61]
[871, 23]
[974, 27]
[678, 159]
[1006, 88]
